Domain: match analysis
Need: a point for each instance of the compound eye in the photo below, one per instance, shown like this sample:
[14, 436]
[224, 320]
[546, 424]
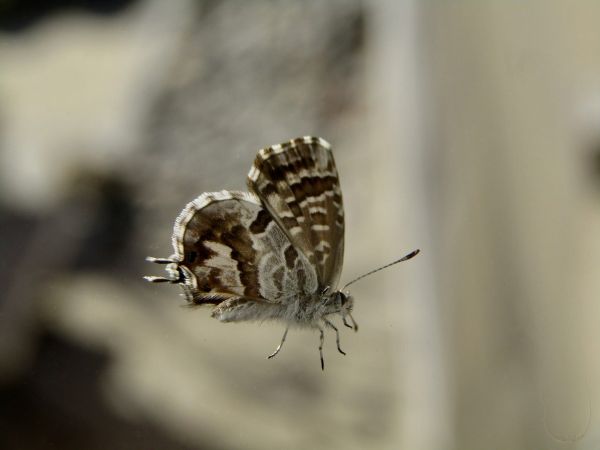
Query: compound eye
[343, 298]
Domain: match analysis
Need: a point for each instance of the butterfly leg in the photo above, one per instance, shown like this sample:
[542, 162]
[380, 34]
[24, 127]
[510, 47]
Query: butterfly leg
[346, 323]
[337, 335]
[280, 344]
[321, 339]
[354, 325]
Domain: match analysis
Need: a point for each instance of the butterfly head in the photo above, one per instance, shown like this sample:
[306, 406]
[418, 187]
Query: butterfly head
[339, 302]
[345, 300]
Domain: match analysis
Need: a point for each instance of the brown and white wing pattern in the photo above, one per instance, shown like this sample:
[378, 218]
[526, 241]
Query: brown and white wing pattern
[298, 183]
[273, 253]
[230, 252]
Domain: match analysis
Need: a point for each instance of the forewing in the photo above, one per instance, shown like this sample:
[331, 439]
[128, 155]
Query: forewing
[229, 249]
[299, 184]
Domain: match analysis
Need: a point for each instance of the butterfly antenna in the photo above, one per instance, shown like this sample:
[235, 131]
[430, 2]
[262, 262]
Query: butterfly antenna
[404, 258]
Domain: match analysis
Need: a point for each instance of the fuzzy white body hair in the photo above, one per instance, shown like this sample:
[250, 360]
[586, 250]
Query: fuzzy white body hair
[306, 312]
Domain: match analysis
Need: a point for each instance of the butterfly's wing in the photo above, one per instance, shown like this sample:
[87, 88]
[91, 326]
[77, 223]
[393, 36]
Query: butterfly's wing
[230, 252]
[299, 184]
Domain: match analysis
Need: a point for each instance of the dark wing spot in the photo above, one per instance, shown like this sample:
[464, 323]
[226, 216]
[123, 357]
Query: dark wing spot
[261, 222]
[321, 255]
[278, 279]
[268, 189]
[318, 218]
[203, 253]
[204, 284]
[301, 279]
[190, 256]
[313, 186]
[295, 208]
[291, 255]
[289, 222]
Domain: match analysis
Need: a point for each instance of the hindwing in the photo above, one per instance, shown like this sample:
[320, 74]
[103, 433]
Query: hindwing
[228, 247]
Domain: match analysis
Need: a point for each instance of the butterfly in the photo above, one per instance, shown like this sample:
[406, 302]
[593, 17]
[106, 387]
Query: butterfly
[274, 253]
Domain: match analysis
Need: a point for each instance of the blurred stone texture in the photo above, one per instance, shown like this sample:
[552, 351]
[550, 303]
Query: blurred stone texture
[469, 130]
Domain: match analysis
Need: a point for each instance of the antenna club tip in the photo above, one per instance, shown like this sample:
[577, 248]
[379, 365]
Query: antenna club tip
[410, 255]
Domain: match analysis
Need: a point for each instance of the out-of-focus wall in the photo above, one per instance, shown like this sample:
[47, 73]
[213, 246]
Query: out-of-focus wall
[512, 135]
[469, 130]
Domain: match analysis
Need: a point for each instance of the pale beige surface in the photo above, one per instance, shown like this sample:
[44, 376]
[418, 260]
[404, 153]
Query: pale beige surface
[466, 129]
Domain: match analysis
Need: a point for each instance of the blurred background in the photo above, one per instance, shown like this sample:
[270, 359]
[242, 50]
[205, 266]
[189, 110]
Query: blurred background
[470, 130]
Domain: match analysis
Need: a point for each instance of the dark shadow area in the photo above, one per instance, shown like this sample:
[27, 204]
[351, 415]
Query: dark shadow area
[18, 15]
[58, 404]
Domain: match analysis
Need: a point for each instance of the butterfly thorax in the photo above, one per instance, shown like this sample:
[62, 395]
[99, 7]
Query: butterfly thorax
[311, 311]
